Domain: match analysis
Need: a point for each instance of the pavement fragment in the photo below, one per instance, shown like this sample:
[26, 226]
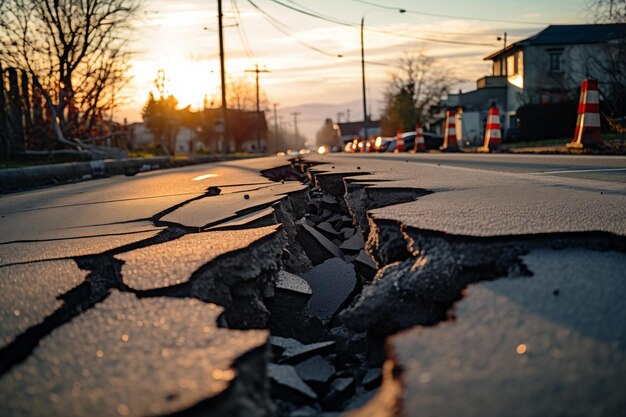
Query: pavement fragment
[316, 371]
[299, 353]
[174, 262]
[211, 211]
[332, 282]
[515, 349]
[286, 377]
[55, 249]
[287, 281]
[317, 247]
[30, 293]
[339, 391]
[104, 363]
[354, 244]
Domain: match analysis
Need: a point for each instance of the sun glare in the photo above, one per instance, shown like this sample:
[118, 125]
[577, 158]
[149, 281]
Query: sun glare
[188, 80]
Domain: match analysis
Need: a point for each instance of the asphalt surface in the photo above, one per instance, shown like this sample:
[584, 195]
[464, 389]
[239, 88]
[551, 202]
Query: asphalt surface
[92, 275]
[602, 168]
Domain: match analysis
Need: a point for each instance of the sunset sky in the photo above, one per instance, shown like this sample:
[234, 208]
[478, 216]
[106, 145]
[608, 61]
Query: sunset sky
[181, 37]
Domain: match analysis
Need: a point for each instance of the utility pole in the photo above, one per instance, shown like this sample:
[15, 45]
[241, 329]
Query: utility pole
[295, 125]
[256, 70]
[347, 116]
[276, 134]
[222, 72]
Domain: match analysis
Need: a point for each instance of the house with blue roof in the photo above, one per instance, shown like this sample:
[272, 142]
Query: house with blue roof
[545, 68]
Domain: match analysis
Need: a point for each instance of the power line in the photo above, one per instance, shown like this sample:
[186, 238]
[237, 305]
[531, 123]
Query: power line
[277, 25]
[484, 19]
[396, 9]
[354, 25]
[242, 32]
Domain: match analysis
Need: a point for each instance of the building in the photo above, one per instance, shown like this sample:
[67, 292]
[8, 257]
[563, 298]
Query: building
[545, 68]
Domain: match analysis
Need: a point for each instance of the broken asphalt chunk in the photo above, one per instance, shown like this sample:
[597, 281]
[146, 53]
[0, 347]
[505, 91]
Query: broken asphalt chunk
[281, 344]
[347, 232]
[316, 371]
[365, 266]
[332, 283]
[286, 383]
[373, 377]
[328, 230]
[339, 391]
[354, 244]
[138, 357]
[292, 283]
[317, 247]
[299, 353]
[329, 202]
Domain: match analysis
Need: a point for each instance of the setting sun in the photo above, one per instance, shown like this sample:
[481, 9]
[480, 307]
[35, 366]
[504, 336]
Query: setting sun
[187, 80]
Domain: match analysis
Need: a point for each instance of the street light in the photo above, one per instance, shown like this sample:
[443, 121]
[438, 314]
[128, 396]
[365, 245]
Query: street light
[365, 122]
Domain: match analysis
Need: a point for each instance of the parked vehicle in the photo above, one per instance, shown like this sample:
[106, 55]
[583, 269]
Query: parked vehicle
[431, 140]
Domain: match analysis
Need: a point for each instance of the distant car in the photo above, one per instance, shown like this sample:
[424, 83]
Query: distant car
[385, 144]
[431, 140]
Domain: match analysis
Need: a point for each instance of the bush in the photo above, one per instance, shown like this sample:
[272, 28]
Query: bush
[547, 121]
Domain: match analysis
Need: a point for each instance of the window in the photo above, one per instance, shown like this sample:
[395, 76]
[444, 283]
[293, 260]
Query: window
[555, 62]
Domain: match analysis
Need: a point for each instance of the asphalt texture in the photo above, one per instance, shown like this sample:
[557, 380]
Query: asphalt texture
[499, 290]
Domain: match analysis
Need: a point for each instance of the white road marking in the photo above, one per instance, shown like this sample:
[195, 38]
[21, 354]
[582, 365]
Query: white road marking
[575, 171]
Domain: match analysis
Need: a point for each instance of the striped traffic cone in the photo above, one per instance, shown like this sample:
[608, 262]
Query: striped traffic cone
[588, 124]
[449, 138]
[399, 142]
[420, 144]
[493, 134]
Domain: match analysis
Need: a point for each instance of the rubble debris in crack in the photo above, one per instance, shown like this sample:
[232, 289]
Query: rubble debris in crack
[77, 370]
[285, 378]
[317, 247]
[332, 282]
[365, 266]
[353, 244]
[316, 371]
[229, 268]
[298, 353]
[329, 358]
[293, 284]
[514, 349]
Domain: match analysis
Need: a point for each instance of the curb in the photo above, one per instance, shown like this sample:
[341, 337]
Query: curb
[13, 179]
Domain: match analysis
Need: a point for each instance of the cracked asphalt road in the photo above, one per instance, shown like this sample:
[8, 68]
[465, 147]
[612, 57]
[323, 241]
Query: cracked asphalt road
[113, 284]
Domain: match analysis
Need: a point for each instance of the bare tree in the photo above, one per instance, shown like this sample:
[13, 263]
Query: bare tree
[242, 95]
[76, 53]
[611, 66]
[607, 11]
[419, 84]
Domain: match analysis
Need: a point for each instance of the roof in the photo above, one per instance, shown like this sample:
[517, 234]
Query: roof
[353, 128]
[569, 35]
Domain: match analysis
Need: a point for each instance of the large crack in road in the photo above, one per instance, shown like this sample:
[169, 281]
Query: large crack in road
[336, 289]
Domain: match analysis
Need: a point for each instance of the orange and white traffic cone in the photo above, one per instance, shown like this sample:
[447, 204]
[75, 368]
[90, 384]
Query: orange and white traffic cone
[588, 124]
[449, 138]
[399, 142]
[420, 144]
[493, 134]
